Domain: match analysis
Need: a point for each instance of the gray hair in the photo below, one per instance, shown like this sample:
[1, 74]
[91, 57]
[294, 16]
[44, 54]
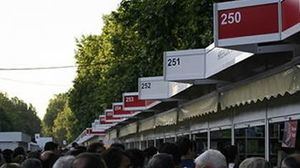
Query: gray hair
[211, 158]
[64, 162]
[32, 163]
[10, 165]
[254, 162]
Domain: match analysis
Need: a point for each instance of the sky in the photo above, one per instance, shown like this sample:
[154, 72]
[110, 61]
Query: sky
[42, 33]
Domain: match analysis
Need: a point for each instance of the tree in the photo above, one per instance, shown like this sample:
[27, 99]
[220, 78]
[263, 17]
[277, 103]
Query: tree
[130, 46]
[56, 105]
[16, 115]
[64, 123]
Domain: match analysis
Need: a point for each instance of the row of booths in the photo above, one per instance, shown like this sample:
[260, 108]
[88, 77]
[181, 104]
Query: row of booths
[242, 90]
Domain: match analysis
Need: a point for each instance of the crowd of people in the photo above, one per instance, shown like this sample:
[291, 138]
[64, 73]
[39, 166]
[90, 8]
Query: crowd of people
[168, 155]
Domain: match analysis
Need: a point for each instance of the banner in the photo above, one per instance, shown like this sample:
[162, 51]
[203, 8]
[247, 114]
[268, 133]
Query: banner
[289, 134]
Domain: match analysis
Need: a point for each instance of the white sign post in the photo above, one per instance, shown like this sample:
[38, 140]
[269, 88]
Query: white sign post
[157, 88]
[184, 65]
[198, 66]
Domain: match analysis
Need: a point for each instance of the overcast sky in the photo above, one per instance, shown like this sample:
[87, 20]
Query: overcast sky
[37, 33]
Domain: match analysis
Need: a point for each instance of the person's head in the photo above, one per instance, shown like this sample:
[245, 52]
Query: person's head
[7, 155]
[149, 152]
[51, 146]
[32, 163]
[161, 160]
[118, 145]
[291, 161]
[211, 159]
[19, 159]
[10, 165]
[35, 154]
[75, 145]
[64, 162]
[116, 158]
[96, 147]
[77, 151]
[19, 151]
[1, 159]
[48, 159]
[230, 153]
[254, 162]
[172, 149]
[136, 158]
[185, 147]
[89, 160]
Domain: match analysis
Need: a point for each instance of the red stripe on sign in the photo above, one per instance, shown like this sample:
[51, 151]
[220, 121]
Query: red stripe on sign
[290, 13]
[133, 101]
[248, 21]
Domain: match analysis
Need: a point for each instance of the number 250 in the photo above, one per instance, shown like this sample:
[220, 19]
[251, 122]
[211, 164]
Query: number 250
[230, 18]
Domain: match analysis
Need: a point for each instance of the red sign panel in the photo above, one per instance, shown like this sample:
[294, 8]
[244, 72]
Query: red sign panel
[103, 120]
[255, 21]
[290, 17]
[89, 131]
[132, 102]
[290, 13]
[248, 21]
[120, 112]
[109, 116]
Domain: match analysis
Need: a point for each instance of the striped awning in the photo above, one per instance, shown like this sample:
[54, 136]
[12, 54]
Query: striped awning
[198, 107]
[281, 83]
[128, 129]
[166, 118]
[146, 124]
[113, 134]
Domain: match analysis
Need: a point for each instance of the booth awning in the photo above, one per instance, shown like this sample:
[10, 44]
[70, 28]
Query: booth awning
[113, 134]
[281, 83]
[200, 106]
[128, 129]
[146, 124]
[166, 118]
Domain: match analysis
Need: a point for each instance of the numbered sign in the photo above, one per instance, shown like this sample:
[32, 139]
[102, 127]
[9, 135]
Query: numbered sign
[131, 102]
[101, 127]
[120, 112]
[290, 17]
[184, 65]
[108, 120]
[109, 116]
[157, 88]
[90, 131]
[109, 113]
[218, 59]
[102, 119]
[153, 88]
[246, 22]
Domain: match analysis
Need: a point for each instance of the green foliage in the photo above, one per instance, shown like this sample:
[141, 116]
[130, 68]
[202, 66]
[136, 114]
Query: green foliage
[15, 115]
[55, 106]
[130, 46]
[64, 125]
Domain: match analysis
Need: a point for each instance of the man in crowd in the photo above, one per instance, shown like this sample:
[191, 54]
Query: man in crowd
[211, 159]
